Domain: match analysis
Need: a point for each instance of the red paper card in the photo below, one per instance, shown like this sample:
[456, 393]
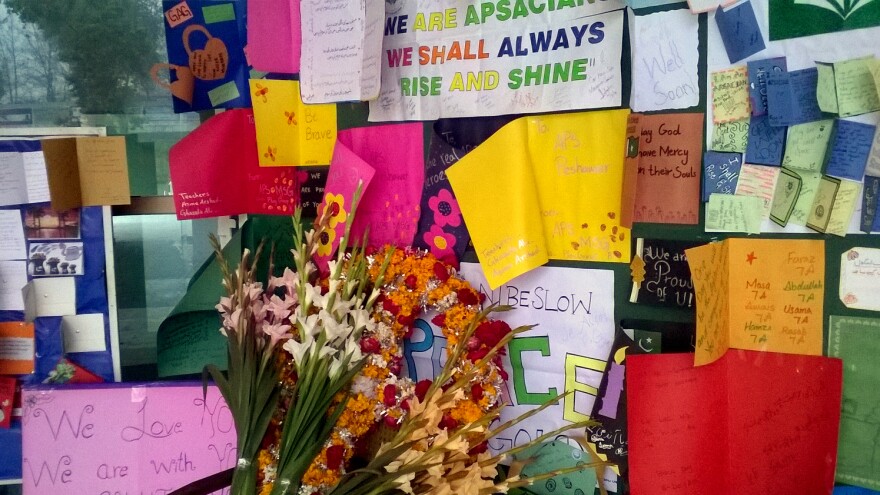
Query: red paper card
[215, 172]
[749, 423]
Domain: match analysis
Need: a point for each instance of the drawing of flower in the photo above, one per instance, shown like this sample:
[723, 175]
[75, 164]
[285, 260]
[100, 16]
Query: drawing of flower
[445, 208]
[850, 299]
[852, 255]
[440, 242]
[843, 8]
[336, 204]
[325, 242]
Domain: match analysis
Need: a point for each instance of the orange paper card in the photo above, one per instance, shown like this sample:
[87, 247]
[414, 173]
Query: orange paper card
[16, 348]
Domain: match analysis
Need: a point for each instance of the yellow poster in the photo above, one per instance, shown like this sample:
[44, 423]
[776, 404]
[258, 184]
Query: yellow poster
[545, 187]
[758, 294]
[289, 132]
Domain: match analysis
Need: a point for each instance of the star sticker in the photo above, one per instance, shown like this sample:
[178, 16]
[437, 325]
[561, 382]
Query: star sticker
[648, 340]
[751, 257]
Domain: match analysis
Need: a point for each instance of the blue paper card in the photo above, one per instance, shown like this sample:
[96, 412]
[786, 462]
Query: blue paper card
[720, 173]
[740, 31]
[848, 153]
[791, 97]
[766, 142]
[870, 196]
[758, 71]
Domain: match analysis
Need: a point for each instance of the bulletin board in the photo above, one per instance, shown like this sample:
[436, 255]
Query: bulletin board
[87, 230]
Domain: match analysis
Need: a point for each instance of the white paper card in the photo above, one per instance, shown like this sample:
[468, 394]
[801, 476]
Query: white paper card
[49, 297]
[83, 333]
[12, 245]
[36, 177]
[664, 61]
[13, 185]
[13, 276]
[860, 278]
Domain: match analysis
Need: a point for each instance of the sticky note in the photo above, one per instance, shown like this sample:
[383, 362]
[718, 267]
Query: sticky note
[766, 142]
[739, 31]
[849, 149]
[788, 188]
[16, 348]
[732, 137]
[731, 213]
[806, 145]
[730, 95]
[720, 173]
[83, 333]
[289, 132]
[758, 71]
[218, 13]
[223, 93]
[791, 97]
[856, 90]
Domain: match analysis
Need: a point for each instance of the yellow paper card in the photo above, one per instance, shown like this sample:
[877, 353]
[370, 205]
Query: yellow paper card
[289, 132]
[577, 160]
[774, 291]
[500, 205]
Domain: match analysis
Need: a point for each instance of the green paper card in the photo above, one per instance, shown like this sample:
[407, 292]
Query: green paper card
[804, 205]
[848, 194]
[856, 91]
[826, 92]
[857, 342]
[731, 213]
[820, 212]
[731, 137]
[730, 95]
[558, 454]
[806, 145]
[788, 188]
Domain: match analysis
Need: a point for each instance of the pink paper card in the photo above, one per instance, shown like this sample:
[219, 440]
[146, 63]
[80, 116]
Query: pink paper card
[347, 170]
[215, 172]
[273, 35]
[390, 208]
[123, 439]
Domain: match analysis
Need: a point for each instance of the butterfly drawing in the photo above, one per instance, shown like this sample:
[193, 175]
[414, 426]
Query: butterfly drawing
[291, 118]
[270, 153]
[843, 8]
[261, 91]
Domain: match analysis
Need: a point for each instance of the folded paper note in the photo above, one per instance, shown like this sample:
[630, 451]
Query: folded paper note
[806, 145]
[766, 142]
[208, 183]
[739, 31]
[720, 173]
[23, 178]
[667, 278]
[845, 201]
[856, 90]
[86, 171]
[760, 182]
[803, 207]
[870, 202]
[548, 162]
[758, 294]
[697, 430]
[730, 95]
[849, 150]
[273, 35]
[860, 278]
[731, 213]
[788, 188]
[759, 71]
[826, 92]
[731, 137]
[791, 97]
[854, 341]
[289, 132]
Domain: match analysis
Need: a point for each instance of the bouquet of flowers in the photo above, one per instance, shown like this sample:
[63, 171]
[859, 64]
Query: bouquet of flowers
[315, 381]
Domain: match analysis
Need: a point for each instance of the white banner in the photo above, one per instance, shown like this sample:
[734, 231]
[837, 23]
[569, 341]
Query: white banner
[464, 58]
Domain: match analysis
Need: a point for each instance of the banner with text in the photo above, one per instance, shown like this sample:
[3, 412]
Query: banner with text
[464, 58]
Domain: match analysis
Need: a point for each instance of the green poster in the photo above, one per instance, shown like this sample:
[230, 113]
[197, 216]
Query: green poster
[796, 18]
[855, 341]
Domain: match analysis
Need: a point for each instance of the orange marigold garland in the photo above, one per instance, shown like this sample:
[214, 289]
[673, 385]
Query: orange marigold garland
[416, 283]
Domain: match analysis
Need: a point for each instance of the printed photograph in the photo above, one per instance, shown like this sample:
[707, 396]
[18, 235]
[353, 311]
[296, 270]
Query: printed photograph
[55, 259]
[42, 222]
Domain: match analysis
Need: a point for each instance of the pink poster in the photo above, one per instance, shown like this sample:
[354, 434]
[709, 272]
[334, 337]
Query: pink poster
[215, 172]
[274, 39]
[123, 439]
[390, 207]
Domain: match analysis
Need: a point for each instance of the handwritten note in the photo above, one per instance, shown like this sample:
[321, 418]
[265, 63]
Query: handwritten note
[668, 183]
[758, 181]
[739, 31]
[849, 150]
[826, 92]
[730, 95]
[766, 142]
[788, 188]
[210, 184]
[273, 35]
[667, 280]
[118, 439]
[806, 145]
[803, 207]
[859, 278]
[665, 60]
[16, 348]
[289, 132]
[856, 90]
[21, 182]
[341, 50]
[845, 201]
[873, 167]
[12, 243]
[720, 173]
[682, 412]
[759, 71]
[731, 213]
[791, 97]
[13, 276]
[854, 340]
[87, 171]
[731, 137]
[870, 203]
[823, 202]
[758, 294]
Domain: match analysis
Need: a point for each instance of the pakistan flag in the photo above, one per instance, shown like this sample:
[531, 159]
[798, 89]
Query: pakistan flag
[796, 18]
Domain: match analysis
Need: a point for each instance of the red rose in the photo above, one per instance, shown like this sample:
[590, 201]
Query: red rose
[370, 345]
[389, 395]
[422, 389]
[450, 259]
[394, 366]
[391, 422]
[335, 456]
[477, 354]
[439, 320]
[388, 305]
[441, 272]
[448, 422]
[405, 405]
[410, 281]
[477, 391]
[490, 332]
[479, 449]
[467, 297]
[406, 320]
